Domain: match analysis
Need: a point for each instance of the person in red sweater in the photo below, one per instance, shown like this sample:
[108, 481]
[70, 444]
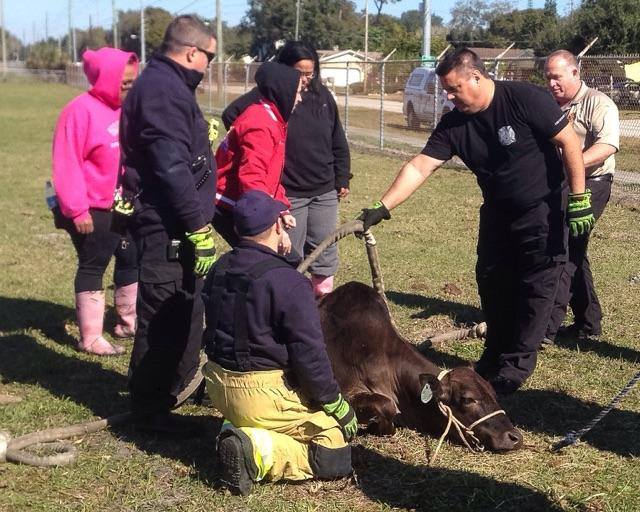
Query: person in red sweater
[251, 156]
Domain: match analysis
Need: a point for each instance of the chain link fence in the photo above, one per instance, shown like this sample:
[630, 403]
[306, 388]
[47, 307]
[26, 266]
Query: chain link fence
[392, 106]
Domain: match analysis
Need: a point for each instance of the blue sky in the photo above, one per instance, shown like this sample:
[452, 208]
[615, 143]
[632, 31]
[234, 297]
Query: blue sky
[26, 18]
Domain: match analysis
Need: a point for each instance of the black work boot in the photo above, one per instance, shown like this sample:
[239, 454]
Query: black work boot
[547, 342]
[578, 333]
[503, 385]
[236, 458]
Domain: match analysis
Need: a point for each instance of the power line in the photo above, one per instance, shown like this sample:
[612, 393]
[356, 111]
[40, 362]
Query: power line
[187, 6]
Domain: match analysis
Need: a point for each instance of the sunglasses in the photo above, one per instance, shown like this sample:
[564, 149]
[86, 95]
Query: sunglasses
[210, 55]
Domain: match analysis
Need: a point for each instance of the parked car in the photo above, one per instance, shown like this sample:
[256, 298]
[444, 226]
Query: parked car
[626, 94]
[419, 104]
[623, 91]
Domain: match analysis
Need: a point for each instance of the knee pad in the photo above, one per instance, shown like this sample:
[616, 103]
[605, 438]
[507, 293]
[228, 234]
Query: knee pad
[329, 463]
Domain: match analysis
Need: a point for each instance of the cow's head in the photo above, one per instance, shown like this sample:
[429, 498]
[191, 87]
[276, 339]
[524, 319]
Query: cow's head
[470, 399]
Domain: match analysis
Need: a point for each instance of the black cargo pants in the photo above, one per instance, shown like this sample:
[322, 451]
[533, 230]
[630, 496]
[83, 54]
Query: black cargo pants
[520, 257]
[576, 288]
[170, 313]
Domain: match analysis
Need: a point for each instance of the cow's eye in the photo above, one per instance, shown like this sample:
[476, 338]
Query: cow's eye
[468, 400]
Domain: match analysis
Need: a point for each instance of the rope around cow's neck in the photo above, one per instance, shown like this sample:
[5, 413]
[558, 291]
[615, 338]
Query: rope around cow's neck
[465, 433]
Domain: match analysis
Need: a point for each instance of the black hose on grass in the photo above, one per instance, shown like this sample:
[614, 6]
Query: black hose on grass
[15, 450]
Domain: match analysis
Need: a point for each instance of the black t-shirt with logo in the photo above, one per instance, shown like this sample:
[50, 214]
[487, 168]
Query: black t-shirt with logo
[507, 146]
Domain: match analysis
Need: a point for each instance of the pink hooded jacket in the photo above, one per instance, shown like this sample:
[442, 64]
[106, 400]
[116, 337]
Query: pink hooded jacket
[86, 152]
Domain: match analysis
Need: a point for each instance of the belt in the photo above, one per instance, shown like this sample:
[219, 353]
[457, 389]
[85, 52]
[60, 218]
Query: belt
[603, 177]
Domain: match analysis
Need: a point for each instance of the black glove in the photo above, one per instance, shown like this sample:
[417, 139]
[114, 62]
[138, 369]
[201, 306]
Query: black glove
[374, 215]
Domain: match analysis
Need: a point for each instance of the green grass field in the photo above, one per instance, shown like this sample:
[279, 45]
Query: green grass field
[428, 244]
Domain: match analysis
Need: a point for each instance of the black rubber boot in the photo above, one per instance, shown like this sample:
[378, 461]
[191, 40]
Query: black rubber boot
[236, 458]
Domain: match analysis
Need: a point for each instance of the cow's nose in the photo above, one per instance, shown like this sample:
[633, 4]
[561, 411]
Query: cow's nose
[507, 440]
[515, 438]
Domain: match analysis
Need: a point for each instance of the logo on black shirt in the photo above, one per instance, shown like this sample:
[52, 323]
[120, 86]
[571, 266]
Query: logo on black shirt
[506, 135]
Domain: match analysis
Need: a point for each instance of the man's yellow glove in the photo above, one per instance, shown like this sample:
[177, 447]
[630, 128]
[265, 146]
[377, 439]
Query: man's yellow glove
[205, 250]
[344, 415]
[213, 130]
[580, 214]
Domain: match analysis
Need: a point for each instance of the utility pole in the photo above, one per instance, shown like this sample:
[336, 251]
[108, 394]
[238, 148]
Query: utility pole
[219, 39]
[143, 50]
[46, 26]
[75, 50]
[69, 42]
[4, 40]
[366, 30]
[297, 18]
[219, 49]
[114, 24]
[426, 31]
[366, 48]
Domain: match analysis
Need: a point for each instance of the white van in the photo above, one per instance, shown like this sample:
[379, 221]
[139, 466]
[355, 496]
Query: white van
[419, 104]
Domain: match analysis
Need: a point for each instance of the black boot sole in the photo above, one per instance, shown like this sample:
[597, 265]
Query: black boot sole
[234, 471]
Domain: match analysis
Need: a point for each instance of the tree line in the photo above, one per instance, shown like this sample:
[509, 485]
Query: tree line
[328, 24]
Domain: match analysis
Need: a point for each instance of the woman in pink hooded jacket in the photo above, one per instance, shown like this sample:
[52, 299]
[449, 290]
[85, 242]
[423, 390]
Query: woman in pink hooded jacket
[86, 162]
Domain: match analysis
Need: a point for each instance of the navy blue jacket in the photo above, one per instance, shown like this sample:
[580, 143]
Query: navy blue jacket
[317, 158]
[166, 151]
[283, 323]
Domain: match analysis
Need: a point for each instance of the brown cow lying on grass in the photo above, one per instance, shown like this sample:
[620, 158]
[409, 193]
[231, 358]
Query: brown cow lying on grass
[388, 382]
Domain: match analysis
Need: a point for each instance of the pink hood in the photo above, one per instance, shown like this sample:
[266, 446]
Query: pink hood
[86, 151]
[104, 69]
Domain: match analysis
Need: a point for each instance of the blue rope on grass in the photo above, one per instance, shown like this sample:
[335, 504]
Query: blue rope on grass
[572, 436]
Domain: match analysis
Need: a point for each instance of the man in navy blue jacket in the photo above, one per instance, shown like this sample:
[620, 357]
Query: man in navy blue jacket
[170, 179]
[268, 370]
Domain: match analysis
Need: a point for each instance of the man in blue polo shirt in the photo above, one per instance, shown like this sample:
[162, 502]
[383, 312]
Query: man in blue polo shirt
[508, 134]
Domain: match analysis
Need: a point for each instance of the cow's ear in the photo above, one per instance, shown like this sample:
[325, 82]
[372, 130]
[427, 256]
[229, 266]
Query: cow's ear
[429, 387]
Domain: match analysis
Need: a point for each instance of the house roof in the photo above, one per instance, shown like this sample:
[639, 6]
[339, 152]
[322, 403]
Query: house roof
[492, 53]
[328, 55]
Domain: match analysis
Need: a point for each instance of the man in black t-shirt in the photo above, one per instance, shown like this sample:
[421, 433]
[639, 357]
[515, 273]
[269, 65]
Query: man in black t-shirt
[508, 134]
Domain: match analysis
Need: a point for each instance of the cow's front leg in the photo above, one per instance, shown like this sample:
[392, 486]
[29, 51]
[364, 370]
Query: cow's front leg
[376, 411]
